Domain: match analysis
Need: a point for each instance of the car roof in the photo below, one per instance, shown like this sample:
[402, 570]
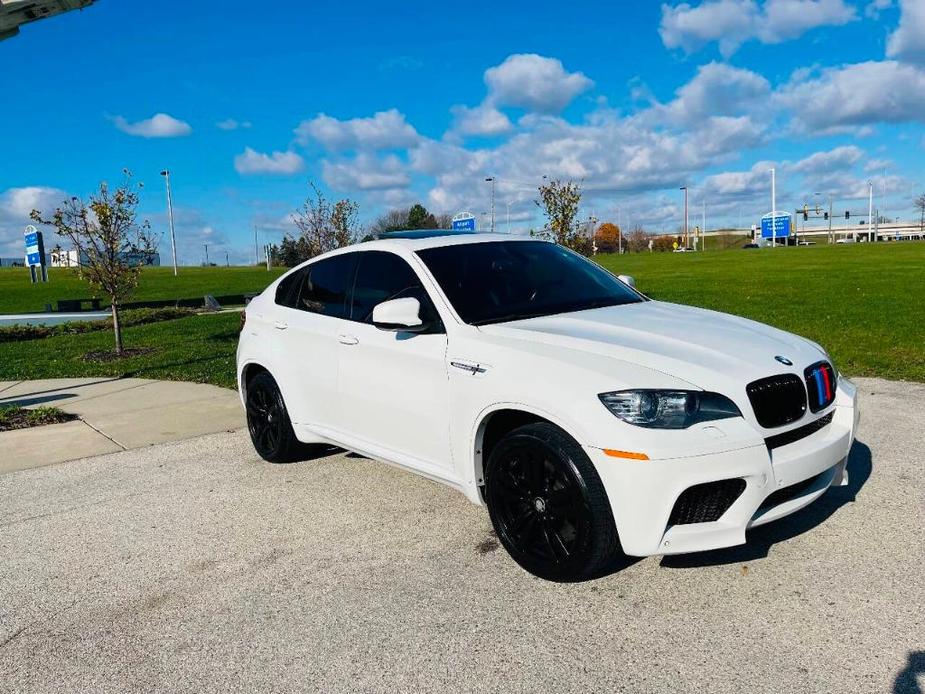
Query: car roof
[419, 239]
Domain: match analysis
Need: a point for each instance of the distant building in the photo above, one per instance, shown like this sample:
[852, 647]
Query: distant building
[63, 258]
[14, 13]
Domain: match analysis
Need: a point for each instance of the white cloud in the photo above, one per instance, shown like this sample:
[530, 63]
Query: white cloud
[366, 172]
[535, 83]
[908, 41]
[856, 95]
[384, 130]
[734, 22]
[875, 7]
[484, 119]
[280, 163]
[718, 90]
[232, 124]
[15, 206]
[159, 125]
[838, 159]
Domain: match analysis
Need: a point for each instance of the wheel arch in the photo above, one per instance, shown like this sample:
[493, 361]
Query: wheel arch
[496, 421]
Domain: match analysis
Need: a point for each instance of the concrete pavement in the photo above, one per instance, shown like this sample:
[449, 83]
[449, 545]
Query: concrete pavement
[116, 414]
[195, 566]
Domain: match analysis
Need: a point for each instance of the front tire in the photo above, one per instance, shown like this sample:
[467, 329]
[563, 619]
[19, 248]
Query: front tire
[548, 505]
[268, 421]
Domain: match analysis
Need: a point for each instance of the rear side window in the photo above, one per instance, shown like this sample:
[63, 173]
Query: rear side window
[325, 287]
[383, 276]
[287, 291]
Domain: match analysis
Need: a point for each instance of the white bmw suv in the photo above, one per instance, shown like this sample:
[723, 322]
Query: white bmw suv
[588, 418]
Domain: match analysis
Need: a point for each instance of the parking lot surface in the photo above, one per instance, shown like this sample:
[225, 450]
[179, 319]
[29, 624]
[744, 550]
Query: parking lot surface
[194, 566]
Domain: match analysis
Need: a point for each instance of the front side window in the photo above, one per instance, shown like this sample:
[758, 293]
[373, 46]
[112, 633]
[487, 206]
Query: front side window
[326, 284]
[383, 276]
[499, 281]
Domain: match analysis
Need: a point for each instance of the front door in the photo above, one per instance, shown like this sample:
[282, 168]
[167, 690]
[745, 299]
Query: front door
[393, 385]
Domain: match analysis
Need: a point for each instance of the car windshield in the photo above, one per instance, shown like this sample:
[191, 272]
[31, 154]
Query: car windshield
[501, 281]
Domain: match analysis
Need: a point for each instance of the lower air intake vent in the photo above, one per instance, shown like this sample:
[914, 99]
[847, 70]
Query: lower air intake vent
[705, 503]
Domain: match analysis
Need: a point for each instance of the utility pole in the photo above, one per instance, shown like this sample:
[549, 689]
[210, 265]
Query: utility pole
[509, 216]
[686, 219]
[227, 264]
[173, 239]
[207, 253]
[773, 209]
[703, 227]
[619, 231]
[831, 236]
[870, 211]
[491, 179]
[256, 252]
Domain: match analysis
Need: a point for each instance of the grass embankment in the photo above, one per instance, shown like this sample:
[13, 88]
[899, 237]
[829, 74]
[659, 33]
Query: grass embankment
[863, 303]
[18, 295]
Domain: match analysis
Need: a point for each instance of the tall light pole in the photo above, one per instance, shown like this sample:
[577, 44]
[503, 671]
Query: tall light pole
[870, 211]
[686, 219]
[509, 216]
[491, 179]
[173, 239]
[619, 231]
[703, 223]
[207, 253]
[773, 209]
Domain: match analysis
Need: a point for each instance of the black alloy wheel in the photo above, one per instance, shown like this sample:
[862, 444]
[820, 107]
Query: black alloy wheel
[268, 421]
[548, 505]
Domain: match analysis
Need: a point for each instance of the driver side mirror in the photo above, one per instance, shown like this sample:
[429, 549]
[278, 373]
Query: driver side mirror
[399, 315]
[628, 280]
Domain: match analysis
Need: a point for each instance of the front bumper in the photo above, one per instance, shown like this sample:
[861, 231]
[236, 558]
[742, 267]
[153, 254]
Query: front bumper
[643, 493]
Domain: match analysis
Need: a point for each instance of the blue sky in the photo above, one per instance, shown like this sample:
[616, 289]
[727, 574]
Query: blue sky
[393, 104]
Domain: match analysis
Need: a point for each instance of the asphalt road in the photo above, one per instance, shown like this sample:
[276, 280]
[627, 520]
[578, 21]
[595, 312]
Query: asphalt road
[196, 567]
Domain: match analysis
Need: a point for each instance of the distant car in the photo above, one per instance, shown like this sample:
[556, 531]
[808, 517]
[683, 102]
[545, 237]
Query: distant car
[588, 418]
[684, 250]
[751, 245]
[845, 240]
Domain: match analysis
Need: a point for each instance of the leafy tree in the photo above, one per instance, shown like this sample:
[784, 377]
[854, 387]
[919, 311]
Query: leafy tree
[108, 237]
[607, 237]
[559, 201]
[415, 217]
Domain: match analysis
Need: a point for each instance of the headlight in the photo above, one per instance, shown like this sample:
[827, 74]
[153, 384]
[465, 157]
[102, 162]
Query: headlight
[668, 409]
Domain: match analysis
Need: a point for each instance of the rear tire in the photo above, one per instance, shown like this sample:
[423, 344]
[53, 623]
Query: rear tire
[548, 505]
[268, 421]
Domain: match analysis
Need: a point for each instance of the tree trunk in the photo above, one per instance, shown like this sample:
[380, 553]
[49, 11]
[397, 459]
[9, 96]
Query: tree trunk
[116, 327]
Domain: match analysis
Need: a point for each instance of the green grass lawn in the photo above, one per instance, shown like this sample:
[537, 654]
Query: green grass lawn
[200, 348]
[19, 295]
[865, 304]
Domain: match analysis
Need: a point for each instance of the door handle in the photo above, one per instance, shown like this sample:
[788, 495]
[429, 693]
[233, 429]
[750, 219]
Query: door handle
[347, 339]
[280, 325]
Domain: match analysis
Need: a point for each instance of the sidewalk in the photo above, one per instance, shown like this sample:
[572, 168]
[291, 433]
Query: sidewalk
[116, 414]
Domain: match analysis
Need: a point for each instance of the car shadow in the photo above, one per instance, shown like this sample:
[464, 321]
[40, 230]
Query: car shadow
[55, 394]
[906, 681]
[760, 540]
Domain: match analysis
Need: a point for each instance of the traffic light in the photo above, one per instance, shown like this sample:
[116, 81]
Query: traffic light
[825, 215]
[847, 214]
[805, 215]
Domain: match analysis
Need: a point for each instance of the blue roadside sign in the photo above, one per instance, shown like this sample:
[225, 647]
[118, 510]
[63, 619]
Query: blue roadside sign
[464, 223]
[35, 247]
[780, 229]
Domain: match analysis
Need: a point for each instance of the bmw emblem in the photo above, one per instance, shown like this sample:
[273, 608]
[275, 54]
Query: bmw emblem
[784, 360]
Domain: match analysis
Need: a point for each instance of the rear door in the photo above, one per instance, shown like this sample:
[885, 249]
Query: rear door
[308, 328]
[393, 385]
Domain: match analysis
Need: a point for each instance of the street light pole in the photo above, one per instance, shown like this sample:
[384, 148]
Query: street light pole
[207, 253]
[870, 211]
[173, 239]
[509, 216]
[773, 209]
[491, 179]
[686, 220]
[703, 224]
[619, 231]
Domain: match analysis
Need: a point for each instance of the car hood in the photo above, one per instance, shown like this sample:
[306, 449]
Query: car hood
[705, 348]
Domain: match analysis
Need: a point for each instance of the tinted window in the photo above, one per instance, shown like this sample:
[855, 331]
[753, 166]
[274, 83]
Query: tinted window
[325, 288]
[510, 280]
[287, 290]
[383, 276]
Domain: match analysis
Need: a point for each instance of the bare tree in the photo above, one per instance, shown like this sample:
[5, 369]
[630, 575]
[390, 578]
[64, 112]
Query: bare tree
[323, 225]
[919, 204]
[637, 240]
[110, 241]
[559, 201]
